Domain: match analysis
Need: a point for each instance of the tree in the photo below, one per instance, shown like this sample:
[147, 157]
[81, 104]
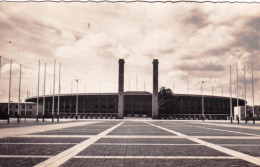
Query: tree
[165, 98]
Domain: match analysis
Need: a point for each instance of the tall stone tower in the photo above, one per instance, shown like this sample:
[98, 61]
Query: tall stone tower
[155, 89]
[121, 88]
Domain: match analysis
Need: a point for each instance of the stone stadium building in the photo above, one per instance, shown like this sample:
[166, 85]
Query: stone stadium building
[134, 103]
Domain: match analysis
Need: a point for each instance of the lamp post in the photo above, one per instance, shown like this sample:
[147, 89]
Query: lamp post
[77, 98]
[202, 99]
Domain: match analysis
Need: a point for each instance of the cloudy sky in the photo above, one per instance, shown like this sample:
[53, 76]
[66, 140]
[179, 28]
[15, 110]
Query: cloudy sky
[193, 41]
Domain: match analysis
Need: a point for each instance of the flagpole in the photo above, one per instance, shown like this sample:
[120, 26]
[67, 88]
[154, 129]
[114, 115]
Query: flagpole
[37, 110]
[253, 93]
[237, 88]
[25, 107]
[19, 97]
[230, 94]
[245, 93]
[144, 84]
[53, 99]
[58, 113]
[9, 95]
[44, 82]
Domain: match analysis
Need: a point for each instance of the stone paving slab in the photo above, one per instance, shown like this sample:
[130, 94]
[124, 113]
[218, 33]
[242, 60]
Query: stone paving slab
[88, 127]
[29, 123]
[138, 131]
[145, 140]
[134, 123]
[141, 150]
[234, 125]
[156, 163]
[74, 132]
[105, 122]
[212, 134]
[193, 130]
[20, 162]
[238, 129]
[33, 149]
[233, 141]
[250, 150]
[41, 140]
[10, 132]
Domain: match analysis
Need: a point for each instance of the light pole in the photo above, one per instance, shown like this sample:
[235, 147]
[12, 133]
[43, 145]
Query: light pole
[202, 99]
[77, 99]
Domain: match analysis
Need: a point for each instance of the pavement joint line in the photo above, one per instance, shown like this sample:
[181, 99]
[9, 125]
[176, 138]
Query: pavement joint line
[145, 144]
[221, 130]
[140, 136]
[173, 137]
[25, 156]
[245, 145]
[11, 132]
[228, 125]
[223, 137]
[64, 156]
[154, 157]
[233, 153]
[55, 136]
[39, 143]
[135, 125]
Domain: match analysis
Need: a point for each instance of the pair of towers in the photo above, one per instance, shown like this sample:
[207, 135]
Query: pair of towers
[121, 89]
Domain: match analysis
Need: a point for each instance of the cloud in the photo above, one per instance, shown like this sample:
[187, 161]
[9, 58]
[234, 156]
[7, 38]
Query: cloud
[4, 25]
[196, 18]
[200, 67]
[193, 42]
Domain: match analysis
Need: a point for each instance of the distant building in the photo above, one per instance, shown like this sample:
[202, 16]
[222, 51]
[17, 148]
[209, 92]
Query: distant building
[30, 110]
[249, 112]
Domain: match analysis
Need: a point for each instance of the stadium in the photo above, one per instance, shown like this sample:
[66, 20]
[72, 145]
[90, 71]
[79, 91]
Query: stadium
[134, 103]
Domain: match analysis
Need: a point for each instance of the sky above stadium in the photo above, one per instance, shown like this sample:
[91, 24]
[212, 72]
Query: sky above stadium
[193, 41]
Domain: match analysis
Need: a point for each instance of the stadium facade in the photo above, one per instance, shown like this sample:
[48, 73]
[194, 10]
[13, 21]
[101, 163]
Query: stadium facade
[134, 103]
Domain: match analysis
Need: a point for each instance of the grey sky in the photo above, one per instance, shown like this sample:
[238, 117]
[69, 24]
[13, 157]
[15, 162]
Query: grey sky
[193, 42]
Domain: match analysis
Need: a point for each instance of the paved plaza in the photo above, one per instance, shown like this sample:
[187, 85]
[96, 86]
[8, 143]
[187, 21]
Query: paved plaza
[129, 143]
